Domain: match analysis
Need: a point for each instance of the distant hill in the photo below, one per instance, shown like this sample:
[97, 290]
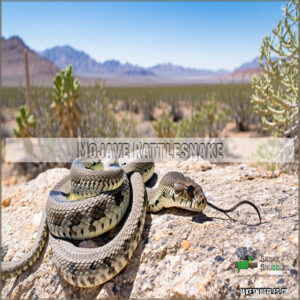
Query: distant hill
[41, 71]
[254, 64]
[66, 55]
[43, 67]
[246, 70]
[244, 74]
[84, 65]
[174, 70]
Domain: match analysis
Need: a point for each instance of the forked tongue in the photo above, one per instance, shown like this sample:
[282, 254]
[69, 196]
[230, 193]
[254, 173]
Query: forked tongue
[225, 211]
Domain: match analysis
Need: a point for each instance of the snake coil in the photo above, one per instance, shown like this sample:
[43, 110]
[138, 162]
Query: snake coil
[92, 200]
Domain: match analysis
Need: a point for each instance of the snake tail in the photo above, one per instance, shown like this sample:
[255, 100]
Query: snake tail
[15, 268]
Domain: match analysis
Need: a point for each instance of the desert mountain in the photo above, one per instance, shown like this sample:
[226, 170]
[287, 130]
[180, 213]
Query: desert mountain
[244, 74]
[246, 70]
[254, 64]
[174, 70]
[84, 65]
[41, 71]
[43, 67]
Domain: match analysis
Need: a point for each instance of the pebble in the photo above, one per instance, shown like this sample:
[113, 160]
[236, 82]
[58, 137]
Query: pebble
[294, 272]
[294, 239]
[219, 258]
[13, 180]
[281, 280]
[6, 202]
[186, 244]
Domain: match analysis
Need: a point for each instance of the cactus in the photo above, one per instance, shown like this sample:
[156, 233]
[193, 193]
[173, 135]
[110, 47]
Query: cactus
[65, 104]
[25, 122]
[275, 95]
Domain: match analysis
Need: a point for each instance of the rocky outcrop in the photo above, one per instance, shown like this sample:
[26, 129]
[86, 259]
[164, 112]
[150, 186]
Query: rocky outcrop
[181, 254]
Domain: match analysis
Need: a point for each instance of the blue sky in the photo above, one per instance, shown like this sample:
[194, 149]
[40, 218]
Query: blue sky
[209, 35]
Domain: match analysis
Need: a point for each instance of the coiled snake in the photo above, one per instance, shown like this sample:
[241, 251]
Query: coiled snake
[91, 201]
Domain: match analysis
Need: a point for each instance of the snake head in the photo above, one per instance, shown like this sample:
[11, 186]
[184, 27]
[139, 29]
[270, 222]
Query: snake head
[192, 194]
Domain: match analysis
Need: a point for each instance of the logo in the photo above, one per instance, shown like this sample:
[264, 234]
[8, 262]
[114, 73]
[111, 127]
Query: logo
[245, 264]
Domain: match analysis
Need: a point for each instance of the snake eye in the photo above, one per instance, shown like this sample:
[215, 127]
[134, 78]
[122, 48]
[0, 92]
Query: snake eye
[190, 190]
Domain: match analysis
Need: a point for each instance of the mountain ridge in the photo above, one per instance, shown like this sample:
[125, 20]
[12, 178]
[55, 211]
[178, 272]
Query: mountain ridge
[42, 69]
[248, 65]
[61, 56]
[84, 65]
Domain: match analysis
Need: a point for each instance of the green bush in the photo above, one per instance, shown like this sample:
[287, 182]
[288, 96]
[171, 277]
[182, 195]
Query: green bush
[165, 126]
[214, 116]
[236, 96]
[275, 95]
[128, 127]
[25, 123]
[192, 127]
[207, 119]
[65, 104]
[98, 119]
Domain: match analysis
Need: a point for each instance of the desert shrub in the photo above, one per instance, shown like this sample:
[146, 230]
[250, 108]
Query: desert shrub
[147, 103]
[98, 119]
[214, 116]
[176, 111]
[12, 96]
[129, 104]
[127, 127]
[208, 119]
[3, 117]
[191, 127]
[275, 95]
[236, 96]
[165, 126]
[47, 124]
[25, 122]
[65, 104]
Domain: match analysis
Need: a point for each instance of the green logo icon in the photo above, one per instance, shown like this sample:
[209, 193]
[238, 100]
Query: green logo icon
[244, 264]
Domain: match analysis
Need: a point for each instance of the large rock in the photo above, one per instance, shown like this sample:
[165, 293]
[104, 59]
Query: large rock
[182, 254]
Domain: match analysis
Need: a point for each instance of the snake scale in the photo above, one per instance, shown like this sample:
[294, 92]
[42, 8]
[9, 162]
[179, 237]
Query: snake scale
[91, 201]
